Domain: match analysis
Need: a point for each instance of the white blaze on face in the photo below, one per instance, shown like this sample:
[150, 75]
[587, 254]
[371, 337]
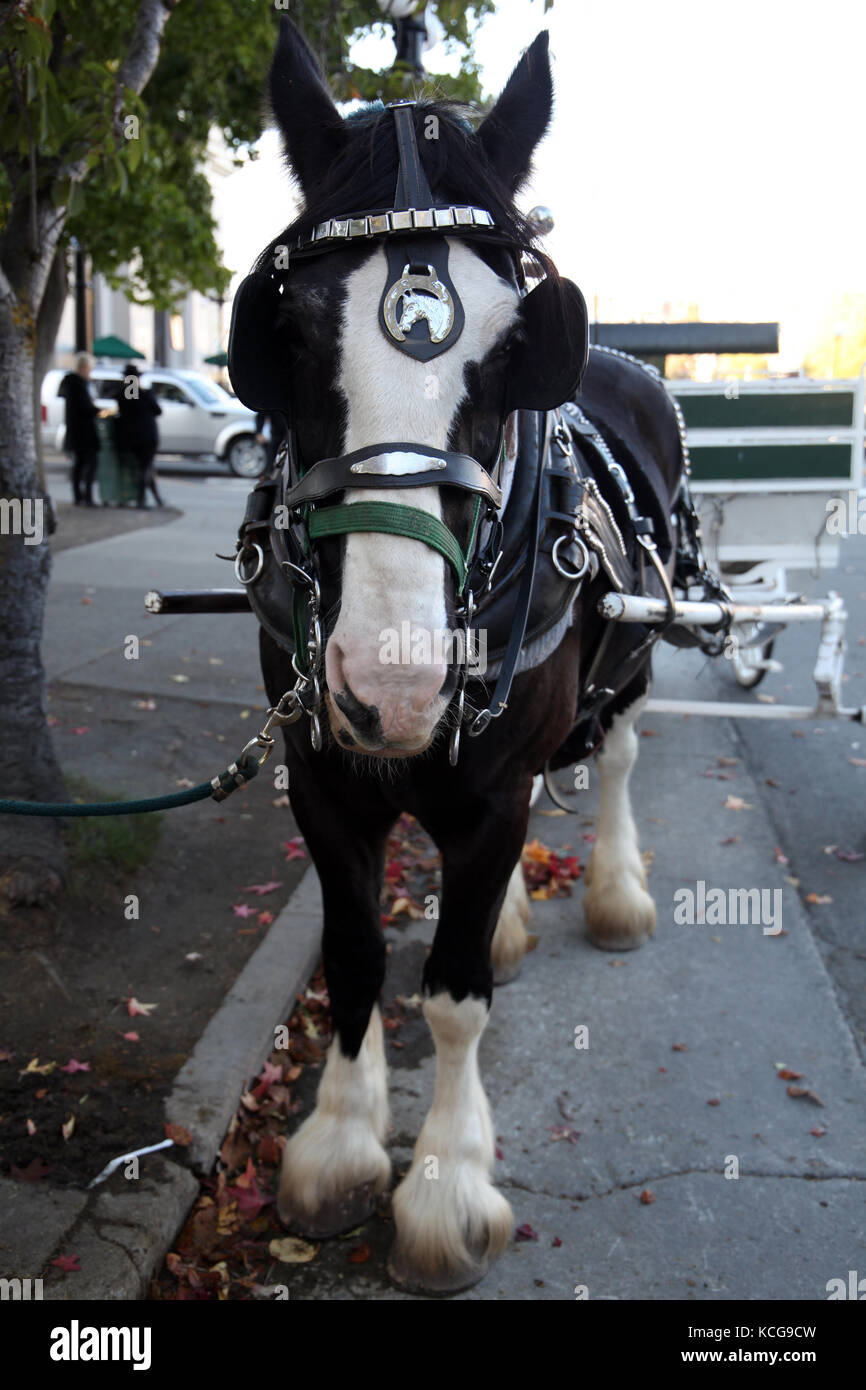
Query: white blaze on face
[390, 580]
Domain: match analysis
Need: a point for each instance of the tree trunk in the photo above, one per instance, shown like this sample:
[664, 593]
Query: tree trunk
[31, 857]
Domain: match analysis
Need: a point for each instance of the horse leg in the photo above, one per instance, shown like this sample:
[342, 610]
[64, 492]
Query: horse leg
[619, 912]
[510, 937]
[450, 1218]
[335, 1165]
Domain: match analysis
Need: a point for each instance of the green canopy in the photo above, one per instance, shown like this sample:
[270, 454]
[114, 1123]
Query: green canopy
[219, 359]
[115, 347]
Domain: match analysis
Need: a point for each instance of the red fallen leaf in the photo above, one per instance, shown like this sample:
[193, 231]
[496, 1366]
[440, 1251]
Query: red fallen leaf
[715, 1101]
[731, 840]
[133, 1007]
[785, 1074]
[271, 1075]
[647, 1197]
[73, 1066]
[679, 1047]
[779, 857]
[40, 1095]
[262, 888]
[243, 910]
[556, 1242]
[68, 1263]
[35, 1170]
[359, 1255]
[849, 856]
[857, 762]
[817, 1131]
[563, 1132]
[395, 1043]
[265, 918]
[649, 733]
[662, 1068]
[269, 1150]
[293, 847]
[498, 1152]
[771, 782]
[181, 1136]
[525, 1232]
[132, 1037]
[818, 899]
[800, 1093]
[589, 837]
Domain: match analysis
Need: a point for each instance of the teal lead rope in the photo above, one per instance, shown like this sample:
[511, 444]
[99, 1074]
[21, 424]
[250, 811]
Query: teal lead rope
[236, 775]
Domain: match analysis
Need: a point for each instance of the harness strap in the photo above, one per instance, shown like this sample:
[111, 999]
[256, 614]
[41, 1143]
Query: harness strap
[502, 690]
[413, 190]
[392, 465]
[393, 519]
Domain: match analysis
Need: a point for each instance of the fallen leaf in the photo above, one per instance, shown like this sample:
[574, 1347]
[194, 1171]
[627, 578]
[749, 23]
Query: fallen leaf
[731, 840]
[359, 1255]
[819, 899]
[801, 1093]
[679, 1047]
[817, 1131]
[727, 762]
[180, 680]
[132, 1037]
[555, 1243]
[31, 1128]
[647, 1197]
[181, 1136]
[68, 1128]
[857, 762]
[736, 803]
[133, 1007]
[289, 1250]
[243, 910]
[293, 847]
[261, 889]
[849, 856]
[33, 1068]
[785, 1074]
[36, 1169]
[73, 1066]
[265, 919]
[525, 1232]
[68, 1263]
[715, 1101]
[779, 857]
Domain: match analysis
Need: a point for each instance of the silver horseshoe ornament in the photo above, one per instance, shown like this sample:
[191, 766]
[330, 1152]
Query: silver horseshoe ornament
[431, 285]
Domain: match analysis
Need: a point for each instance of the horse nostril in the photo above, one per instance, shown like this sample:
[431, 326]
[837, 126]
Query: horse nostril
[365, 719]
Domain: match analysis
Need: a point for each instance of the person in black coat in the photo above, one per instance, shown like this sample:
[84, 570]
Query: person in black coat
[137, 430]
[274, 437]
[82, 441]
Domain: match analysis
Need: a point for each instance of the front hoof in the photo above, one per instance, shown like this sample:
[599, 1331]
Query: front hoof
[342, 1212]
[505, 973]
[408, 1275]
[618, 921]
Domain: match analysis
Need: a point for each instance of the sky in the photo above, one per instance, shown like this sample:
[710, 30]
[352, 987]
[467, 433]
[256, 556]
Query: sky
[700, 154]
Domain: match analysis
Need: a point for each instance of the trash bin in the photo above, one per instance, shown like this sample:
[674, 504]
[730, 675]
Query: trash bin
[118, 471]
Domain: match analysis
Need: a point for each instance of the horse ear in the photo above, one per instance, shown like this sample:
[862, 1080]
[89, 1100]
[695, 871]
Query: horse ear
[520, 117]
[312, 127]
[548, 356]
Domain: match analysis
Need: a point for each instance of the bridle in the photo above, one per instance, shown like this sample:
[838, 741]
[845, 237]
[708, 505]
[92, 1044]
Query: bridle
[288, 514]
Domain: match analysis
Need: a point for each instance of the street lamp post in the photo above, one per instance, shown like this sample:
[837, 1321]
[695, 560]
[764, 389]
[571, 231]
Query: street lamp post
[415, 27]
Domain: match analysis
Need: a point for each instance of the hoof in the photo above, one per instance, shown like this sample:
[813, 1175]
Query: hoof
[437, 1282]
[505, 973]
[619, 922]
[340, 1213]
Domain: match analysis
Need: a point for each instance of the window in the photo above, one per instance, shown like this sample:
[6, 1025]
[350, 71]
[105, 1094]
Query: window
[169, 391]
[203, 391]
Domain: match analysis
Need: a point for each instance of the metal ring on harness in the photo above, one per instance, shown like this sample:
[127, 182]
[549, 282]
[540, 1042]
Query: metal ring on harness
[557, 563]
[260, 563]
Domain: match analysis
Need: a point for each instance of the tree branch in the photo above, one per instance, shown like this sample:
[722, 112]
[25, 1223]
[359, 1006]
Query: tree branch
[143, 52]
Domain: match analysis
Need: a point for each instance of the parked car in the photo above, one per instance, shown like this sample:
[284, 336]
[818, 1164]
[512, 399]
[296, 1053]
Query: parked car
[198, 416]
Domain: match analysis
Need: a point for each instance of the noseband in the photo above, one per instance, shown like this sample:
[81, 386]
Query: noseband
[285, 516]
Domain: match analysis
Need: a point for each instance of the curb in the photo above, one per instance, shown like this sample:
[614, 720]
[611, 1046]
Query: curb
[122, 1230]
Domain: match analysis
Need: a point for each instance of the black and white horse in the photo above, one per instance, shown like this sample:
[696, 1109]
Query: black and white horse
[344, 387]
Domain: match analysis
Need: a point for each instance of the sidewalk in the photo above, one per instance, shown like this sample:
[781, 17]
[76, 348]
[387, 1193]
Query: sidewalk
[619, 1160]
